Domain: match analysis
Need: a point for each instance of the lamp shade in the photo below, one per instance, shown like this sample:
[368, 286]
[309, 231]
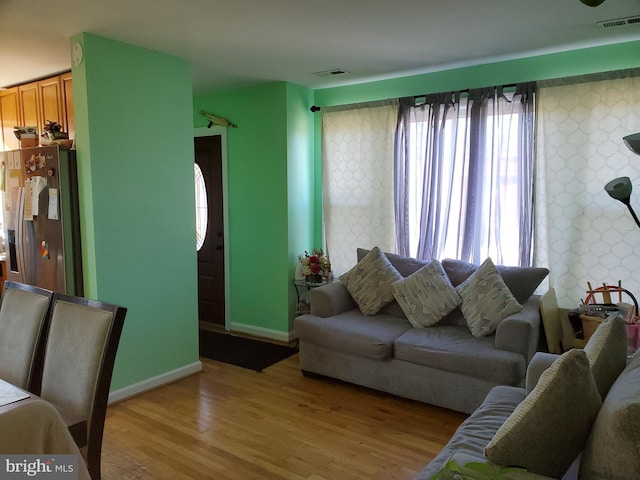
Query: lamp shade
[633, 142]
[620, 189]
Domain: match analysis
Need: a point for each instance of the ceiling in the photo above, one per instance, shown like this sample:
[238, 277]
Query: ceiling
[233, 43]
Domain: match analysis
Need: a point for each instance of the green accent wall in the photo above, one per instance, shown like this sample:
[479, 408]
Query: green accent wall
[303, 231]
[270, 191]
[134, 121]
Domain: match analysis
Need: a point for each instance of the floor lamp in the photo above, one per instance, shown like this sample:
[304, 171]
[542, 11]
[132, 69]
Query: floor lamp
[620, 188]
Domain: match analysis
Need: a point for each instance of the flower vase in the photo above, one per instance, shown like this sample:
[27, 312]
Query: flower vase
[314, 278]
[298, 275]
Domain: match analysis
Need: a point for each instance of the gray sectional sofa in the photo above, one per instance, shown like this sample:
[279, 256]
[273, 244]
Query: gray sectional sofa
[577, 418]
[443, 364]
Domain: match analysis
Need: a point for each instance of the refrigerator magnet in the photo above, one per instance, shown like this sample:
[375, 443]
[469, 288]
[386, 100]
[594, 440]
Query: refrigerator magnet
[27, 212]
[53, 204]
[44, 250]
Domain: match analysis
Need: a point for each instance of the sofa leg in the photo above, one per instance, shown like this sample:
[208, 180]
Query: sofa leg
[309, 374]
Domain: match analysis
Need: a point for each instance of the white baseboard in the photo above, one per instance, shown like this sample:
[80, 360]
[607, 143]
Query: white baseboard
[154, 382]
[261, 332]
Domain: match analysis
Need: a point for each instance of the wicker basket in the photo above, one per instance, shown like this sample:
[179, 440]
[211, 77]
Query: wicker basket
[589, 325]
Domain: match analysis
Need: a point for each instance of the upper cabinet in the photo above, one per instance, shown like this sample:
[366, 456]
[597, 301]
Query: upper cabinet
[67, 104]
[29, 100]
[36, 103]
[51, 102]
[10, 116]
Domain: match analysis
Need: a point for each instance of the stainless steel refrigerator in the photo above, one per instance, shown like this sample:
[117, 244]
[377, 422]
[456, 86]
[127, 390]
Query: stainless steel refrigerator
[41, 218]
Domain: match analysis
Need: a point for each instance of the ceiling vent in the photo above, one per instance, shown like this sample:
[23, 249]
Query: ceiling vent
[331, 73]
[620, 22]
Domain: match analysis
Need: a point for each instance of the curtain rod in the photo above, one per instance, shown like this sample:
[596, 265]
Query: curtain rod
[315, 108]
[349, 106]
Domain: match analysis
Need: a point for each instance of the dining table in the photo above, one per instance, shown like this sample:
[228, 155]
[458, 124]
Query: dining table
[30, 425]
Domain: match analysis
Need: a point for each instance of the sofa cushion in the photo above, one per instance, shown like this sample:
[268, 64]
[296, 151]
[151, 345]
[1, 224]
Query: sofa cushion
[454, 349]
[611, 451]
[426, 296]
[454, 318]
[486, 300]
[547, 431]
[476, 431]
[369, 282]
[607, 352]
[353, 333]
[522, 281]
[405, 265]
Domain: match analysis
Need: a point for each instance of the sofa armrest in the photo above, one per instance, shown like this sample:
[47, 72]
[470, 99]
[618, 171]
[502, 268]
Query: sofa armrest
[330, 300]
[539, 363]
[464, 463]
[519, 333]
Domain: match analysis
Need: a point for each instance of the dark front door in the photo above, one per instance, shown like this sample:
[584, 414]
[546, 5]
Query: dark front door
[208, 152]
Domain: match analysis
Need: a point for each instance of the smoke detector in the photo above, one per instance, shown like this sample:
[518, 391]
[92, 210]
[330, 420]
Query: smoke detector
[620, 22]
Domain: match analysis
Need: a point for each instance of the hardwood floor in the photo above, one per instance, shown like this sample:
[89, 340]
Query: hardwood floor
[231, 423]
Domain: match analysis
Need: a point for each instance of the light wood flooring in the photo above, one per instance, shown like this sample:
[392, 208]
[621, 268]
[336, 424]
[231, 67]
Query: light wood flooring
[231, 423]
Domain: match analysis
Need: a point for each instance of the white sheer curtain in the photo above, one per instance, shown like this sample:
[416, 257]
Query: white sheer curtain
[583, 235]
[357, 162]
[464, 175]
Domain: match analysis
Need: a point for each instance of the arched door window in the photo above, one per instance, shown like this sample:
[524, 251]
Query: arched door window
[201, 207]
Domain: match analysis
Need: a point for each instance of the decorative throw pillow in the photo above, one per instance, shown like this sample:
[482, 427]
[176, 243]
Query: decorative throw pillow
[405, 265]
[548, 429]
[522, 281]
[486, 300]
[611, 450]
[607, 352]
[369, 282]
[426, 295]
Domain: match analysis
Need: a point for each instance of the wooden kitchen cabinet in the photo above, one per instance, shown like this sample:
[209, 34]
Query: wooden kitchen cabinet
[10, 117]
[29, 99]
[67, 103]
[35, 103]
[50, 103]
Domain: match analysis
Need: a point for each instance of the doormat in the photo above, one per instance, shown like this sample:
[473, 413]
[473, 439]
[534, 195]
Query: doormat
[242, 352]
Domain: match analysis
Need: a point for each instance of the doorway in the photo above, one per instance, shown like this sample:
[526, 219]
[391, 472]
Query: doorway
[211, 234]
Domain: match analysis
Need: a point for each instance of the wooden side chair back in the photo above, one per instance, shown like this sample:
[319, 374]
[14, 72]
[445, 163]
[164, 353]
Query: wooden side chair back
[557, 327]
[550, 315]
[78, 363]
[607, 294]
[23, 317]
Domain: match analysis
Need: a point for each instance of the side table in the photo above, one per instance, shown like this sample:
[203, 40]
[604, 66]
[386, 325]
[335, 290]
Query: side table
[303, 288]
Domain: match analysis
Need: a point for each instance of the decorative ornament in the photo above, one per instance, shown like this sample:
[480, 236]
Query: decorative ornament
[76, 53]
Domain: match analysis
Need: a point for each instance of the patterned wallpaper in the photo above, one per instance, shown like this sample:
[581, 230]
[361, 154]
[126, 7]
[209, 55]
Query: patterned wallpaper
[582, 234]
[358, 182]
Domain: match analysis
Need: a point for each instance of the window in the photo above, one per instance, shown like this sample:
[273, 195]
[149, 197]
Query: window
[464, 178]
[202, 209]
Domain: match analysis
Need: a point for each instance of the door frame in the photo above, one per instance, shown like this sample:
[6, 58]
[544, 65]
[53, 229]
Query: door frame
[222, 132]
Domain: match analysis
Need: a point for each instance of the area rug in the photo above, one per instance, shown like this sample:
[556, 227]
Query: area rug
[242, 352]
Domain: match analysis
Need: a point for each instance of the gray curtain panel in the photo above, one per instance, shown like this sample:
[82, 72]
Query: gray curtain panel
[464, 175]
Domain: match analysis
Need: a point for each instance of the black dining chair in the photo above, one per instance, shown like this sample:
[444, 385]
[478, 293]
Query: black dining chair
[78, 363]
[23, 317]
